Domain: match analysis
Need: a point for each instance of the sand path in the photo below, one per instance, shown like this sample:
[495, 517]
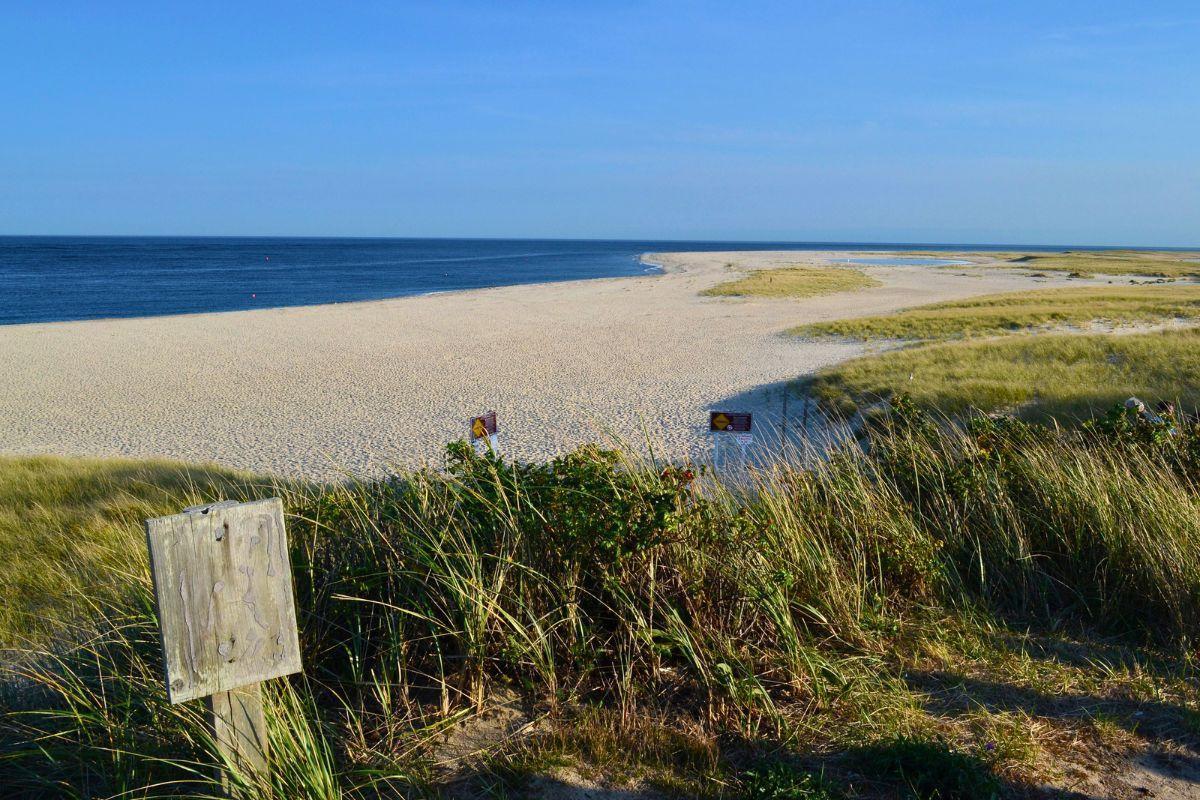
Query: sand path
[318, 391]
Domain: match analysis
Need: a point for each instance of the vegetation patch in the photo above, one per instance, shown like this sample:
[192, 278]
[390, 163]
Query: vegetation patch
[780, 780]
[963, 598]
[1016, 312]
[1114, 262]
[929, 770]
[1061, 376]
[794, 282]
[70, 528]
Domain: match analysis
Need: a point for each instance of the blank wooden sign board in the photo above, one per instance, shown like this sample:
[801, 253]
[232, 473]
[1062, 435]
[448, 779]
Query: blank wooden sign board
[223, 583]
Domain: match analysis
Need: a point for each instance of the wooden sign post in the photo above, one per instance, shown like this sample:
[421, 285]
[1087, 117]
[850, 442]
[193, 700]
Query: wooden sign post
[223, 585]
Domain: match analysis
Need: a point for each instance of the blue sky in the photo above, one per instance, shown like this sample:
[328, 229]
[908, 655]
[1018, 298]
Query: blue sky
[1028, 122]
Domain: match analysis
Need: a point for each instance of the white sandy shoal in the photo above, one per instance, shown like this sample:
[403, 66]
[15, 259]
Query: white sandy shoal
[320, 391]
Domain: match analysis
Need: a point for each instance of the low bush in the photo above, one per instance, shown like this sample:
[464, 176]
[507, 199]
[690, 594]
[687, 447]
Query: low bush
[928, 770]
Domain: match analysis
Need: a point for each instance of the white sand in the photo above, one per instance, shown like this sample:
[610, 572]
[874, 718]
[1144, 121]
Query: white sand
[319, 391]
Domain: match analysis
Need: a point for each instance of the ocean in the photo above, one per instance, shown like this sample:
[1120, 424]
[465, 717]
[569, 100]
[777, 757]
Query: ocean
[53, 278]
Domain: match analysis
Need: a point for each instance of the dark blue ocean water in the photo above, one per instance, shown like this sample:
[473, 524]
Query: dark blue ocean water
[48, 278]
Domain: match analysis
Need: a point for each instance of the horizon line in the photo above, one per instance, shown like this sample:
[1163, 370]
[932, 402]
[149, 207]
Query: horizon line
[807, 242]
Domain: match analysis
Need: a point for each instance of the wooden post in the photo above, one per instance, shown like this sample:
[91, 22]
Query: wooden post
[223, 585]
[240, 729]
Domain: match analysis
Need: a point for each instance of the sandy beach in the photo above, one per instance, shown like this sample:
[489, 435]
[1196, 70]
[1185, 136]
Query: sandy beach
[322, 391]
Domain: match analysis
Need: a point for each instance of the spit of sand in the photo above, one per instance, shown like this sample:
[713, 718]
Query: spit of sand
[321, 391]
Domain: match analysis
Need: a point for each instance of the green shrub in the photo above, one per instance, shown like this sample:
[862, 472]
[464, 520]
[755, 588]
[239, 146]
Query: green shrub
[782, 781]
[928, 770]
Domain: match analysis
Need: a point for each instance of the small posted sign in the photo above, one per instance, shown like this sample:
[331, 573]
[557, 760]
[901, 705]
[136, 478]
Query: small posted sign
[483, 428]
[729, 422]
[735, 425]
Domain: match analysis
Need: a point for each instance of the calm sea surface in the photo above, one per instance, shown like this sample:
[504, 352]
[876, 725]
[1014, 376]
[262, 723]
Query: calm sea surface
[48, 278]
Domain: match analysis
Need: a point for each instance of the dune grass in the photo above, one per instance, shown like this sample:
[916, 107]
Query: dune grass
[794, 282]
[71, 524]
[1114, 262]
[1064, 376]
[1131, 263]
[791, 633]
[1016, 312]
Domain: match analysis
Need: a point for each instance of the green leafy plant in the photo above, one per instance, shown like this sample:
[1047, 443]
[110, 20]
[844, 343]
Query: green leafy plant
[928, 770]
[782, 781]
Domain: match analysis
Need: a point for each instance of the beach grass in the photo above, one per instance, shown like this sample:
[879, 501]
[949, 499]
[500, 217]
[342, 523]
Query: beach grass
[69, 524]
[1017, 312]
[955, 611]
[1084, 263]
[1064, 376]
[1113, 262]
[795, 282]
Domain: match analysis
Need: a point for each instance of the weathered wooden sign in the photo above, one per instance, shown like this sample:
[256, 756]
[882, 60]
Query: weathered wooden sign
[223, 585]
[223, 581]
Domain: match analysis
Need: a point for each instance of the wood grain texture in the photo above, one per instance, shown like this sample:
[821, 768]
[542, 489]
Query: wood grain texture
[240, 730]
[223, 582]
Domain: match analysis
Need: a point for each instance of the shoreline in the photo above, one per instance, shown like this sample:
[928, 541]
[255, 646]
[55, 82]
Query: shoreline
[332, 303]
[645, 259]
[654, 269]
[655, 263]
[361, 387]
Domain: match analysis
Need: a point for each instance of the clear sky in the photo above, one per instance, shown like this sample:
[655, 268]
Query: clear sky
[1016, 121]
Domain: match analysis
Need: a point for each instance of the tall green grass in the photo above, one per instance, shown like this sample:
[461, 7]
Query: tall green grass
[1061, 376]
[760, 612]
[65, 532]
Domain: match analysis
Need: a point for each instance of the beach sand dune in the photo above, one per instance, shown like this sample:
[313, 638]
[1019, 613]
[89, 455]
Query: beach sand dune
[321, 391]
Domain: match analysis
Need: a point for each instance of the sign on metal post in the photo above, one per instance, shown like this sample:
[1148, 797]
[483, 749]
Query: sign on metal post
[729, 422]
[735, 425]
[223, 586]
[484, 428]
